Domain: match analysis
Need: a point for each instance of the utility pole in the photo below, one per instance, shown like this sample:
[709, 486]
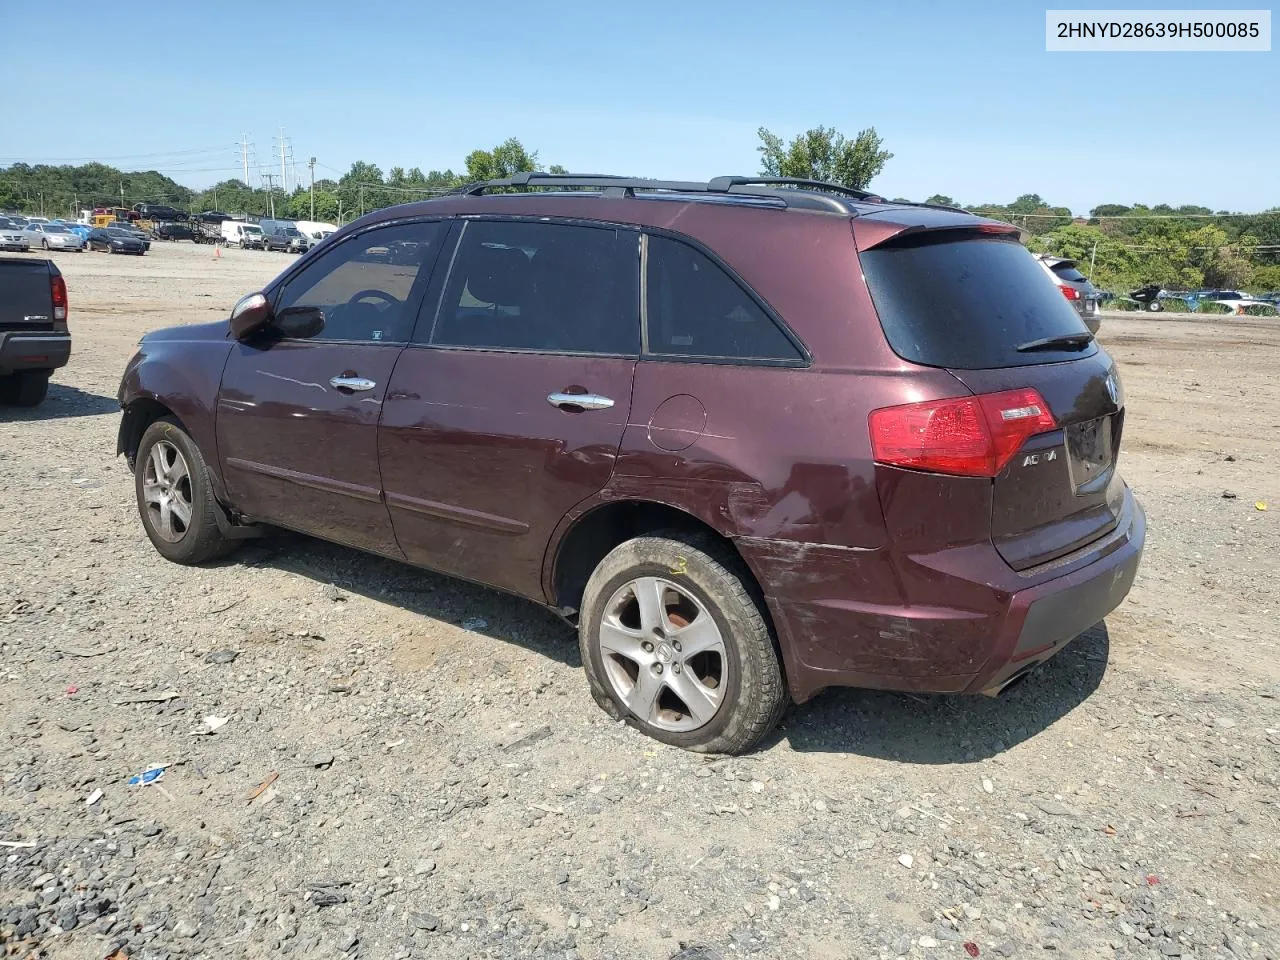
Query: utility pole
[1093, 259]
[244, 156]
[122, 194]
[271, 192]
[312, 164]
[215, 196]
[284, 181]
[362, 199]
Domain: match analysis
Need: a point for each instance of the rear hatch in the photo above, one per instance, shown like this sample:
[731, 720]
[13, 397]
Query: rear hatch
[26, 298]
[972, 300]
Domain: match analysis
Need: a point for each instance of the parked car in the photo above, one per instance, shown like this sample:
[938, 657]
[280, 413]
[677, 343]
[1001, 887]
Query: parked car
[81, 230]
[289, 239]
[12, 237]
[128, 228]
[111, 240]
[1075, 286]
[158, 211]
[245, 235]
[52, 236]
[315, 230]
[169, 230]
[34, 339]
[753, 440]
[211, 216]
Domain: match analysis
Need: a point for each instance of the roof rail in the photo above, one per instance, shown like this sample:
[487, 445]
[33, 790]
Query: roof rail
[789, 191]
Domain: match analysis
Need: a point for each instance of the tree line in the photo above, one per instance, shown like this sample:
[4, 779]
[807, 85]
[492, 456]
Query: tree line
[1122, 246]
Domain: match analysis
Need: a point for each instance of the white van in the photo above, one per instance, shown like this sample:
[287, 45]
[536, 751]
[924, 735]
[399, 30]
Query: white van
[246, 235]
[315, 230]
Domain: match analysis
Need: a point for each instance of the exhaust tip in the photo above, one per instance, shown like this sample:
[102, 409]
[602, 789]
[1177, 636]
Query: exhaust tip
[1003, 688]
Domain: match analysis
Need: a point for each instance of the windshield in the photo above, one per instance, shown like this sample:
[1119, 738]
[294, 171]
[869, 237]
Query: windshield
[54, 228]
[290, 232]
[968, 303]
[257, 230]
[124, 234]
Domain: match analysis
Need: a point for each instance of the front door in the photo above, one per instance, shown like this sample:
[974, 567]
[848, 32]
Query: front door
[508, 409]
[297, 420]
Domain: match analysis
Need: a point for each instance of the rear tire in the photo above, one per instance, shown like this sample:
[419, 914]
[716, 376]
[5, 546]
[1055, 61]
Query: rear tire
[722, 700]
[26, 388]
[175, 497]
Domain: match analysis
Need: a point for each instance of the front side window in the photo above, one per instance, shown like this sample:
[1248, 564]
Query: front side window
[695, 309]
[364, 285]
[544, 287]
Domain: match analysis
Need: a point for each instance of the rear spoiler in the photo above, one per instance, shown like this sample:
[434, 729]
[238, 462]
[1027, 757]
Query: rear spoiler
[876, 229]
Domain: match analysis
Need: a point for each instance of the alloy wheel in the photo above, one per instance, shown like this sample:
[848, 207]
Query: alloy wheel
[166, 488]
[664, 654]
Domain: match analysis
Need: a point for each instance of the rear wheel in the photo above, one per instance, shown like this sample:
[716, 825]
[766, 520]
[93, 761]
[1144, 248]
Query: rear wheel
[175, 498]
[26, 388]
[674, 643]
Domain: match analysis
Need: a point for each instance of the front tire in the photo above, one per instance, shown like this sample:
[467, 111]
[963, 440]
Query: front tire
[175, 497]
[674, 642]
[1155, 306]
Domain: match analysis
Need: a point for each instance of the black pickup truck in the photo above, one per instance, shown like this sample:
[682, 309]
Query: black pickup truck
[34, 340]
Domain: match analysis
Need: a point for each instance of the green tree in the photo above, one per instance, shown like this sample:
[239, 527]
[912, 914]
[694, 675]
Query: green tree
[824, 154]
[506, 159]
[942, 200]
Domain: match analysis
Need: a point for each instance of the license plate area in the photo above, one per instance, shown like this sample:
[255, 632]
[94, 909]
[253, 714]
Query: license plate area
[1090, 454]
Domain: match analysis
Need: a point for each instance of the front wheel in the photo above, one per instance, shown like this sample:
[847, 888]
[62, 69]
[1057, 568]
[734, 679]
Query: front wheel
[674, 643]
[44, 244]
[1155, 306]
[175, 498]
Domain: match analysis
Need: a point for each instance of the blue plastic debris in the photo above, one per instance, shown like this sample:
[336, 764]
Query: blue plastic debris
[147, 776]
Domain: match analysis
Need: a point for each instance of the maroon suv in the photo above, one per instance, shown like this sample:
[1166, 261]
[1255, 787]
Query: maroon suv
[755, 438]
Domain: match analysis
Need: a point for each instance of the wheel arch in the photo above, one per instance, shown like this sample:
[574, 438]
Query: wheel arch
[586, 538]
[139, 414]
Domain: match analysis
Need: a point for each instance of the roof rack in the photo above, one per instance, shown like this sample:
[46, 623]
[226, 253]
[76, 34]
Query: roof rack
[790, 191]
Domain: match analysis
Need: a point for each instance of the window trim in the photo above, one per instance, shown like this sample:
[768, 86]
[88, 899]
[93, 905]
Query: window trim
[465, 220]
[805, 358]
[277, 287]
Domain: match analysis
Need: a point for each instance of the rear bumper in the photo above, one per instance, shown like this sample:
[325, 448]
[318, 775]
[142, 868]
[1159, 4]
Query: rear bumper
[33, 351]
[987, 626]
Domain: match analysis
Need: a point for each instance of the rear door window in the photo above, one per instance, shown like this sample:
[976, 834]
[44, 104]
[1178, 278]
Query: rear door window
[543, 287]
[695, 309]
[968, 302]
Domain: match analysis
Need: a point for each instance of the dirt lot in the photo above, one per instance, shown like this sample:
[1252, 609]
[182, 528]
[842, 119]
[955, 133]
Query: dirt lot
[445, 787]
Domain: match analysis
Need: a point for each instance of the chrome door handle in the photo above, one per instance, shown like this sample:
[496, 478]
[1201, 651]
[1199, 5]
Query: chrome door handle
[351, 383]
[584, 401]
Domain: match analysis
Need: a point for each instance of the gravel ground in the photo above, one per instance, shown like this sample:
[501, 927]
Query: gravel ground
[412, 767]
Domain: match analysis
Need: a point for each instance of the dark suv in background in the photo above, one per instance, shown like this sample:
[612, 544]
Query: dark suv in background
[753, 437]
[1076, 288]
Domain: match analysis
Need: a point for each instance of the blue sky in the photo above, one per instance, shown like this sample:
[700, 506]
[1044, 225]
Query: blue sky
[964, 94]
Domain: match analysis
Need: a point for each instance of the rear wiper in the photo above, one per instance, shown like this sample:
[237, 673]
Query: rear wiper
[1067, 341]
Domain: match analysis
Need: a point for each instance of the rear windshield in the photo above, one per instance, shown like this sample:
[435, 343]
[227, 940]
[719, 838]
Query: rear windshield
[967, 302]
[1068, 271]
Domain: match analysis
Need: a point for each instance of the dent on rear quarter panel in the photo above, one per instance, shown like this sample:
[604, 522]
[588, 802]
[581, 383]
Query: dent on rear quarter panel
[183, 374]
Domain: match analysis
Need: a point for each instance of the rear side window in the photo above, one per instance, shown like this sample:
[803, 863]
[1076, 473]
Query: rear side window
[968, 302]
[696, 309]
[544, 287]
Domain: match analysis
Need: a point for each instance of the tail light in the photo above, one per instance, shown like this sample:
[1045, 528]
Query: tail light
[1071, 293]
[58, 288]
[965, 436]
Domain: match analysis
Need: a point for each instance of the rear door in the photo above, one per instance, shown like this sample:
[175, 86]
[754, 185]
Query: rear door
[981, 307]
[508, 409]
[297, 420]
